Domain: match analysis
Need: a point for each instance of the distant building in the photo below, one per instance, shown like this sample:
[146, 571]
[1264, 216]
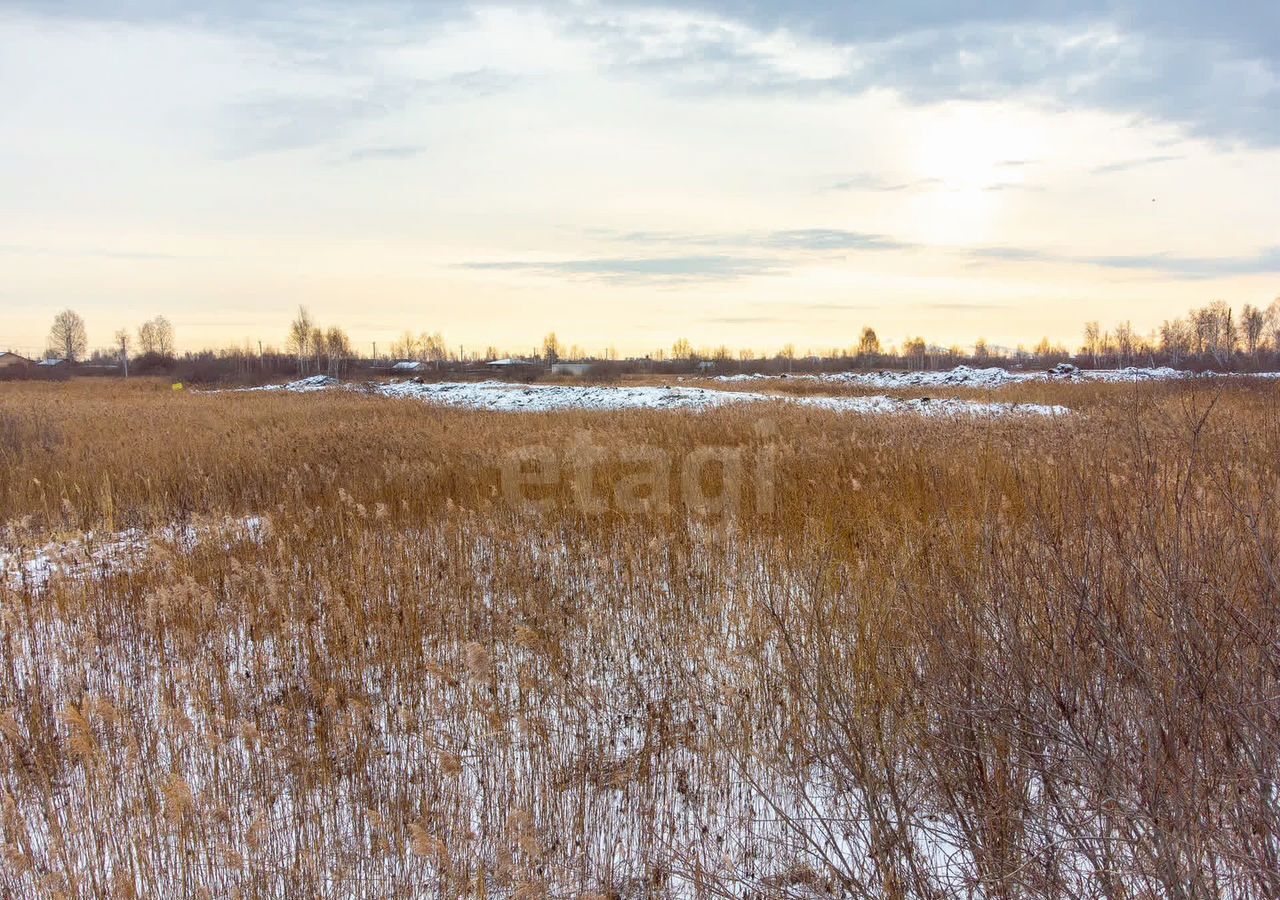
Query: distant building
[514, 368]
[51, 362]
[578, 369]
[8, 359]
[407, 365]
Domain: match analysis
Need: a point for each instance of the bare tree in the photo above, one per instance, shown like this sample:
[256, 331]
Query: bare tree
[1215, 331]
[300, 333]
[155, 336]
[123, 342]
[147, 338]
[337, 351]
[165, 341]
[1176, 339]
[406, 347]
[1272, 316]
[1092, 341]
[551, 348]
[1252, 323]
[67, 338]
[869, 343]
[316, 343]
[913, 351]
[1126, 342]
[432, 347]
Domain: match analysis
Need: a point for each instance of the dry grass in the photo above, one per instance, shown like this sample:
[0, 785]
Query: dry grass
[977, 657]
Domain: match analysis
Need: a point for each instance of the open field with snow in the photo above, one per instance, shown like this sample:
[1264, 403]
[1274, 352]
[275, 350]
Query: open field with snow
[713, 639]
[961, 391]
[502, 396]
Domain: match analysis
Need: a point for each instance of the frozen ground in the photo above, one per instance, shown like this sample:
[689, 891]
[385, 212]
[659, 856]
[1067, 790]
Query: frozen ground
[993, 377]
[97, 554]
[502, 396]
[615, 751]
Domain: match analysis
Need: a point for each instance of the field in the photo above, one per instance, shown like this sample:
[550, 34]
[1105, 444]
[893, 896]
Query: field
[331, 644]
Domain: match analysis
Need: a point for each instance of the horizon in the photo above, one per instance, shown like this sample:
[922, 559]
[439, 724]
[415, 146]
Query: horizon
[1215, 327]
[747, 175]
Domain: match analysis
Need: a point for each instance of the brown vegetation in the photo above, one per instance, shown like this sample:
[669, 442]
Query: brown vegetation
[975, 657]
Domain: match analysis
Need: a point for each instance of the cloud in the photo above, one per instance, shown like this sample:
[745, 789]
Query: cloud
[819, 239]
[1014, 186]
[1213, 69]
[641, 269]
[871, 183]
[962, 305]
[868, 182]
[1013, 254]
[815, 240]
[1265, 262]
[296, 121]
[369, 154]
[1126, 165]
[272, 124]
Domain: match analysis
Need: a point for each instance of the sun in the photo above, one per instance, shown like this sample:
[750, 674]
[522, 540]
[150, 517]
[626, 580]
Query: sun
[965, 158]
[973, 147]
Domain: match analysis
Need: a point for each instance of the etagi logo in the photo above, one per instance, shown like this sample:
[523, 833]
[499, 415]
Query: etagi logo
[707, 480]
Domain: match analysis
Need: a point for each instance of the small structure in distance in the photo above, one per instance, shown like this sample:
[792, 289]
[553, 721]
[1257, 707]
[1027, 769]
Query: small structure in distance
[11, 360]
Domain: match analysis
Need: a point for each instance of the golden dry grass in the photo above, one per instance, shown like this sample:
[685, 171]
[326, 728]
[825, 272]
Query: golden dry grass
[972, 657]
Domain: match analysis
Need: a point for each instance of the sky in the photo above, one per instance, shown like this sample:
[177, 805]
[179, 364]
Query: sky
[742, 173]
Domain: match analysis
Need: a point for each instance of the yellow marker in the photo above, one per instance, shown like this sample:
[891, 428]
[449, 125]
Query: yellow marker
[178, 386]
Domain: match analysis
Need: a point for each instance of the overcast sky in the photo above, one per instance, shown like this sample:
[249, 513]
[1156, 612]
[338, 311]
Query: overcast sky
[628, 173]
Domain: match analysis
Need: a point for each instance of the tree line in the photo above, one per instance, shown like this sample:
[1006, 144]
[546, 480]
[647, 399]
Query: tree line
[1209, 336]
[153, 341]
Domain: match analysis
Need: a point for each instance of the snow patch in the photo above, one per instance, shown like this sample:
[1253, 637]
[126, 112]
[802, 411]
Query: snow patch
[992, 377]
[98, 554]
[503, 396]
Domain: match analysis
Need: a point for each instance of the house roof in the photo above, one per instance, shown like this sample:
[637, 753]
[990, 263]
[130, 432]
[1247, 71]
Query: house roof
[51, 362]
[407, 365]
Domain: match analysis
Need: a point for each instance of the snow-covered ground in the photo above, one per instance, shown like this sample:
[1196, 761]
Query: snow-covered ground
[301, 386]
[992, 377]
[98, 554]
[712, 814]
[503, 396]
